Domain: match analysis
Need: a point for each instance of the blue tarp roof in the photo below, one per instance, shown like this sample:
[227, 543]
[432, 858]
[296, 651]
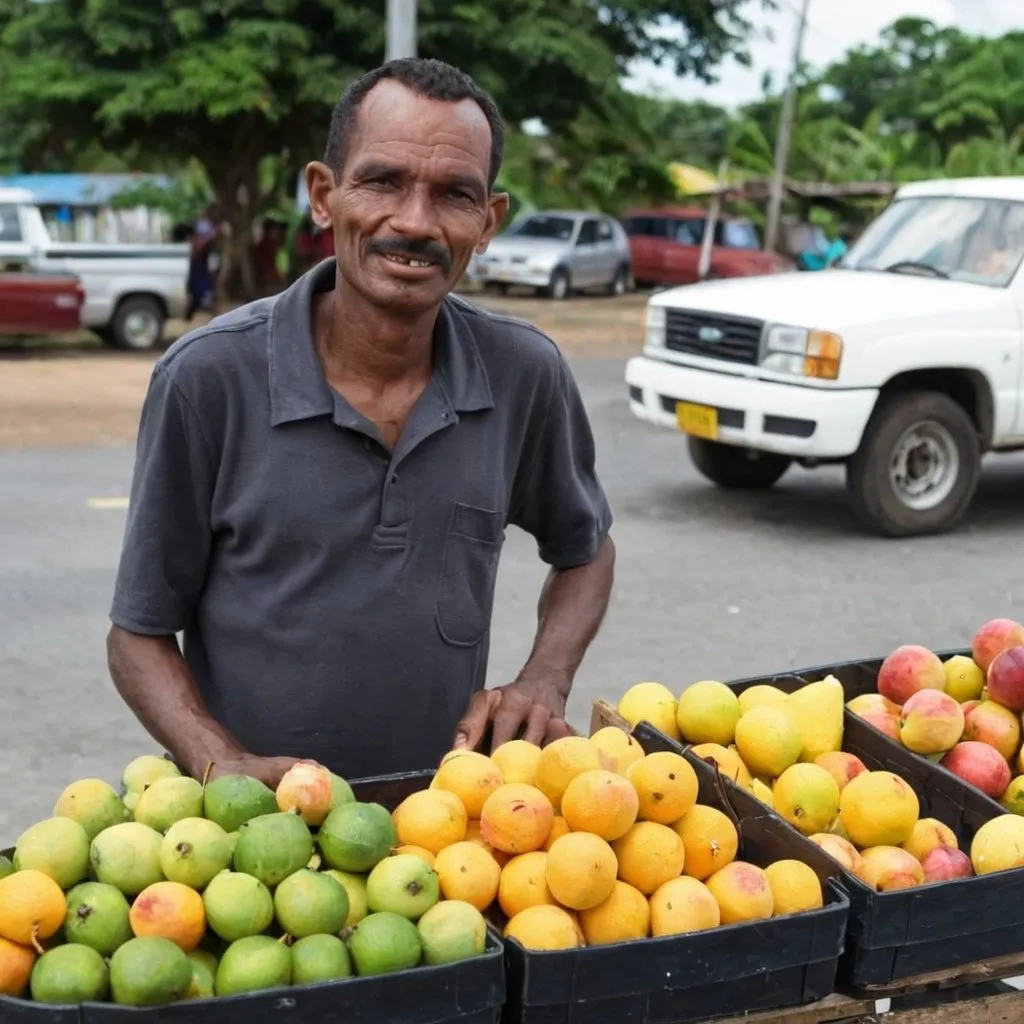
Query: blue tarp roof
[78, 189]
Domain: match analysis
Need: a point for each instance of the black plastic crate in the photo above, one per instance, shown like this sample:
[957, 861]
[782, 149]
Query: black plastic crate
[763, 965]
[897, 935]
[469, 992]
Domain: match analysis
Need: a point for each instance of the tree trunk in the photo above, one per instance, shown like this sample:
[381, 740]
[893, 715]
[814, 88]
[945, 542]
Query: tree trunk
[236, 191]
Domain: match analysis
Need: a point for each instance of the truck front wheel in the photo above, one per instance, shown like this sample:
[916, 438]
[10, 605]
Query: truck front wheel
[737, 468]
[918, 465]
[137, 323]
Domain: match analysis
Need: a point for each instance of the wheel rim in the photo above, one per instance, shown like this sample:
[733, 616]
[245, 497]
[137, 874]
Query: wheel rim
[924, 467]
[619, 285]
[141, 329]
[559, 286]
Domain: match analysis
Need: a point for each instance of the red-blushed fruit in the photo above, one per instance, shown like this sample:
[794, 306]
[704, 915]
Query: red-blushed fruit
[1005, 680]
[841, 766]
[945, 863]
[979, 765]
[908, 669]
[872, 702]
[930, 722]
[993, 638]
[991, 723]
[888, 724]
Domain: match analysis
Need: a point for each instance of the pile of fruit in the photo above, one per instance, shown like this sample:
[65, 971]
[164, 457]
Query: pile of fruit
[589, 841]
[176, 890]
[964, 713]
[787, 750]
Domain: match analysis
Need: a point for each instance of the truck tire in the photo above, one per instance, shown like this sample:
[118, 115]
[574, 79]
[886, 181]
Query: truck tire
[137, 323]
[738, 469]
[918, 465]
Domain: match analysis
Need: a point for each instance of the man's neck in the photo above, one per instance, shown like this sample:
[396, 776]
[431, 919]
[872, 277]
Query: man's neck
[357, 341]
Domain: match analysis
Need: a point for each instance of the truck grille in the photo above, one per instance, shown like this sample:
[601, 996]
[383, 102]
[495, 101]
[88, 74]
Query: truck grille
[738, 340]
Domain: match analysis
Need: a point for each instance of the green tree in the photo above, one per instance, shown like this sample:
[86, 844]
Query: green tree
[245, 87]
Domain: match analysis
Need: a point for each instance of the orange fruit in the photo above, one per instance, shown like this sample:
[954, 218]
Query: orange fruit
[560, 762]
[581, 870]
[516, 818]
[431, 818]
[617, 749]
[524, 883]
[473, 835]
[926, 835]
[416, 851]
[710, 839]
[544, 927]
[742, 892]
[32, 907]
[169, 910]
[559, 828]
[649, 855]
[517, 761]
[795, 887]
[600, 802]
[625, 915]
[683, 905]
[469, 873]
[16, 963]
[471, 776]
[666, 785]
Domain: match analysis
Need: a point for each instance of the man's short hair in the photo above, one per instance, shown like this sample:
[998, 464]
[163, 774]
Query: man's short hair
[430, 78]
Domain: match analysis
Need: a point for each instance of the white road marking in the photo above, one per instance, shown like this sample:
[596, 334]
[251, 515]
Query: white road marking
[107, 503]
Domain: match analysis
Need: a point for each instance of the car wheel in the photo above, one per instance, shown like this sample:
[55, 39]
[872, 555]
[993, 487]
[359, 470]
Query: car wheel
[918, 465]
[737, 468]
[559, 285]
[138, 323]
[620, 282]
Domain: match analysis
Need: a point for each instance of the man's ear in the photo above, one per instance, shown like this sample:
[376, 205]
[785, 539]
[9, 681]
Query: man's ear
[498, 204]
[320, 184]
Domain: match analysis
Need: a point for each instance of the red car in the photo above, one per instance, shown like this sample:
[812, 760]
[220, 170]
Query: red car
[665, 244]
[32, 303]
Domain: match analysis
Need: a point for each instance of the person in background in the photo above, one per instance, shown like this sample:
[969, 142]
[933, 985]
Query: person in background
[266, 253]
[201, 285]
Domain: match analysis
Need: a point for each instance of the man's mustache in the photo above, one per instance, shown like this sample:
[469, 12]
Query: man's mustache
[417, 248]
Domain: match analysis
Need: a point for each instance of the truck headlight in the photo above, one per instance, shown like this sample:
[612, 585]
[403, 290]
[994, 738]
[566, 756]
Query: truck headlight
[654, 326]
[803, 353]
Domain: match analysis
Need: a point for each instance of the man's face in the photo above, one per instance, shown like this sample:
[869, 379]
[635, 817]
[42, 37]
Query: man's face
[411, 204]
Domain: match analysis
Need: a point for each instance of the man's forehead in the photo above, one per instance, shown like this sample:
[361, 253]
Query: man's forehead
[393, 113]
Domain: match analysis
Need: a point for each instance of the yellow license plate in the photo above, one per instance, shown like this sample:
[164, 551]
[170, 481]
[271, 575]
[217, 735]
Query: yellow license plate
[697, 420]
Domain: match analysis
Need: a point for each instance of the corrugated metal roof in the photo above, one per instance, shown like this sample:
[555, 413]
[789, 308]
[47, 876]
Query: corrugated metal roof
[79, 189]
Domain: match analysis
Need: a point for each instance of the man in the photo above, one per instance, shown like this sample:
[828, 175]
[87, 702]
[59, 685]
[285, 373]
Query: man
[324, 478]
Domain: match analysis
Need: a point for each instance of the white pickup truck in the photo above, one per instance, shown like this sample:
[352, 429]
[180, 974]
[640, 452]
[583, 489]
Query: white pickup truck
[905, 362]
[130, 290]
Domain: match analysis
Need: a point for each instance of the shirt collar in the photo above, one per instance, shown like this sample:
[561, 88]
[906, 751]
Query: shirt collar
[298, 388]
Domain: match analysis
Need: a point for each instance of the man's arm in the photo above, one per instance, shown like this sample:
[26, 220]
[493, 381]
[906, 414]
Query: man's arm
[564, 506]
[154, 680]
[164, 560]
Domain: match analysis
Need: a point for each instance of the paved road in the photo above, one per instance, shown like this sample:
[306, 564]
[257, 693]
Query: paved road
[709, 585]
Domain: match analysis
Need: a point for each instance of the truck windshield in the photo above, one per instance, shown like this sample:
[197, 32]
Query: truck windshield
[980, 241]
[557, 228]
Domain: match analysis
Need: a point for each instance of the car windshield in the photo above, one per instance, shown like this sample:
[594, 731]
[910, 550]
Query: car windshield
[541, 226]
[980, 241]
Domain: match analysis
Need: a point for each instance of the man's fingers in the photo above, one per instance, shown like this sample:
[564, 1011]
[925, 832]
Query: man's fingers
[470, 731]
[557, 729]
[537, 724]
[512, 713]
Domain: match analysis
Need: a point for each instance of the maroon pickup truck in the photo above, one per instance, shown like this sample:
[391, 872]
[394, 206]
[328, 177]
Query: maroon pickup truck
[32, 303]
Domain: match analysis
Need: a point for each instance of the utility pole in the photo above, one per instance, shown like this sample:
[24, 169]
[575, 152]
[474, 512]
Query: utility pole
[785, 135]
[401, 29]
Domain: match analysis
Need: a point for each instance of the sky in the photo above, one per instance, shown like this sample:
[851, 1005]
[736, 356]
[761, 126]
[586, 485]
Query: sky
[833, 27]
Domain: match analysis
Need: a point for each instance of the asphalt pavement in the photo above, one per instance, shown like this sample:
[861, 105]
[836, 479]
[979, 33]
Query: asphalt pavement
[709, 585]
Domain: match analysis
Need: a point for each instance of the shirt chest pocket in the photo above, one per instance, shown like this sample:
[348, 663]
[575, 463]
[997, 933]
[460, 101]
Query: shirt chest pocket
[468, 575]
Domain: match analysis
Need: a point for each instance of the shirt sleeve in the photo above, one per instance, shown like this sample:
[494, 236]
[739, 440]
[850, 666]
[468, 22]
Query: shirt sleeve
[562, 503]
[168, 532]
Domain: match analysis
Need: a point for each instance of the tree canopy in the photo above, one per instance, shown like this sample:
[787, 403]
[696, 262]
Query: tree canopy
[245, 87]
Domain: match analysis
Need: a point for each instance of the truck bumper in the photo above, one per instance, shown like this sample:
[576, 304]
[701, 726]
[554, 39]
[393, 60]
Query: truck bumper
[786, 419]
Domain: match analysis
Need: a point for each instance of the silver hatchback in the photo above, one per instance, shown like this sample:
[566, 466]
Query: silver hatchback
[557, 252]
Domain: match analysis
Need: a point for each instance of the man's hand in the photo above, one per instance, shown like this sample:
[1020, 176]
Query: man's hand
[532, 708]
[267, 769]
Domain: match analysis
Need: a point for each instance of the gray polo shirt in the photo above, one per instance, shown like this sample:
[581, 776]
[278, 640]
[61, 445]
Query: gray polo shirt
[335, 596]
